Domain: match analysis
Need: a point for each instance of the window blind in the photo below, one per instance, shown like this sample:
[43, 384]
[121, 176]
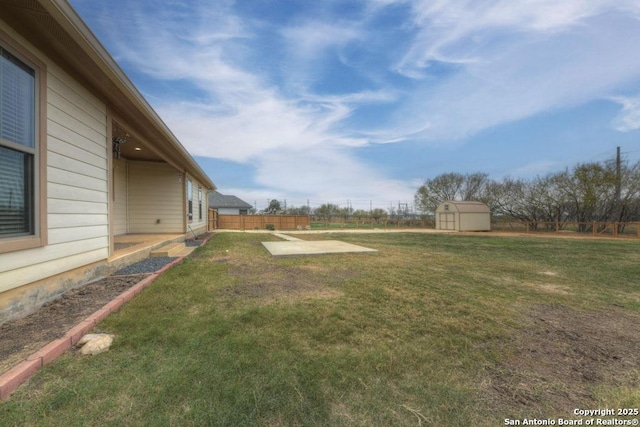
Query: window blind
[17, 146]
[16, 215]
[17, 101]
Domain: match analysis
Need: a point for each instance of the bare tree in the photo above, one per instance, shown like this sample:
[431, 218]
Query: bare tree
[378, 214]
[274, 207]
[327, 211]
[451, 186]
[591, 192]
[298, 210]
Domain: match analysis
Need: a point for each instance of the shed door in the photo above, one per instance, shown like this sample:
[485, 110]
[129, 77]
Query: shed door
[447, 221]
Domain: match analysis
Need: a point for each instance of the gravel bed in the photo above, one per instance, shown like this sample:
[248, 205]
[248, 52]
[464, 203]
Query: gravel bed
[148, 265]
[193, 242]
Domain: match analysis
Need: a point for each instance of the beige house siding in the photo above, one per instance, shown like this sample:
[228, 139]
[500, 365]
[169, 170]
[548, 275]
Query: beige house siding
[198, 224]
[84, 197]
[119, 197]
[77, 183]
[155, 198]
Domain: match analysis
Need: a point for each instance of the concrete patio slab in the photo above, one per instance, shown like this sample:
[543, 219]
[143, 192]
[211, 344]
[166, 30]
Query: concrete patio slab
[314, 247]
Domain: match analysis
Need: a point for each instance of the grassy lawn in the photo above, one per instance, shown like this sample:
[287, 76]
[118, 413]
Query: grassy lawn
[431, 330]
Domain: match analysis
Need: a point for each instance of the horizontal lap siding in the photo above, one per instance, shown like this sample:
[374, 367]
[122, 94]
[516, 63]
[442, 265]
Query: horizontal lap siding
[199, 223]
[119, 210]
[77, 159]
[228, 211]
[77, 186]
[155, 192]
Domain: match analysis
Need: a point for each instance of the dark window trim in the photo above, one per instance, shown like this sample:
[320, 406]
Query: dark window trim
[39, 208]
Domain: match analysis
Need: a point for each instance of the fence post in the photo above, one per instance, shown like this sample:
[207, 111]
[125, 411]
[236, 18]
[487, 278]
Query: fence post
[615, 229]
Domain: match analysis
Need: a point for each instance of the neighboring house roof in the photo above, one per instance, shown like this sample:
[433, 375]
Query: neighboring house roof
[55, 25]
[217, 200]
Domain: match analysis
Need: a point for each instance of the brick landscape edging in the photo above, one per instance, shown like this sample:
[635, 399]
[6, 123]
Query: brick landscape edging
[10, 380]
[14, 377]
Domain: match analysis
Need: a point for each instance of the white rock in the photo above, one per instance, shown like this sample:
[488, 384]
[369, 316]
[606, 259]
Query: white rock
[95, 343]
[86, 338]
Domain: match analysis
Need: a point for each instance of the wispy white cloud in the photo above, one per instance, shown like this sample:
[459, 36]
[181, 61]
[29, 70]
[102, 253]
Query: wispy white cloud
[255, 129]
[311, 39]
[463, 31]
[326, 173]
[529, 65]
[629, 118]
[441, 71]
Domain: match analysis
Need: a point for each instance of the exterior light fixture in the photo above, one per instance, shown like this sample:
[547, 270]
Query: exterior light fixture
[117, 141]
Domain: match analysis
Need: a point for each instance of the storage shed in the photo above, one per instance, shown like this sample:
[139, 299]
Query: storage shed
[463, 216]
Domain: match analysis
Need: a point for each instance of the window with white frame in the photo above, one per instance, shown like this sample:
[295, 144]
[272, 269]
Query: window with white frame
[18, 147]
[190, 199]
[200, 203]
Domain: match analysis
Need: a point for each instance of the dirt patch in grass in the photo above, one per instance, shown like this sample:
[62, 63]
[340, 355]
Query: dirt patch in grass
[265, 285]
[562, 357]
[272, 292]
[22, 337]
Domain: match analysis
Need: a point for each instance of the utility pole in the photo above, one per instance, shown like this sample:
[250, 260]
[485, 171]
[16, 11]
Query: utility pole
[618, 202]
[403, 209]
[618, 177]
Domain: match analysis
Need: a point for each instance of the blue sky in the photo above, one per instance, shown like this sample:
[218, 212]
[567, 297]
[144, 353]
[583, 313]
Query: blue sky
[343, 100]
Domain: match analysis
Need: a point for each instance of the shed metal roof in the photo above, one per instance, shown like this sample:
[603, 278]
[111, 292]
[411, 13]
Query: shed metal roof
[467, 206]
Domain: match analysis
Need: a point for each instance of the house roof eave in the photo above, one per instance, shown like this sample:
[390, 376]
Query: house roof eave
[56, 27]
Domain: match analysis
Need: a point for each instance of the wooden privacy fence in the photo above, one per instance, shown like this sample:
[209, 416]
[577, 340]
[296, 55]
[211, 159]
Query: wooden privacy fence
[297, 222]
[213, 220]
[259, 222]
[595, 229]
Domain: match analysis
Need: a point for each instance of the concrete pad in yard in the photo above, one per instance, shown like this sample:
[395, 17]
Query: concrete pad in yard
[315, 247]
